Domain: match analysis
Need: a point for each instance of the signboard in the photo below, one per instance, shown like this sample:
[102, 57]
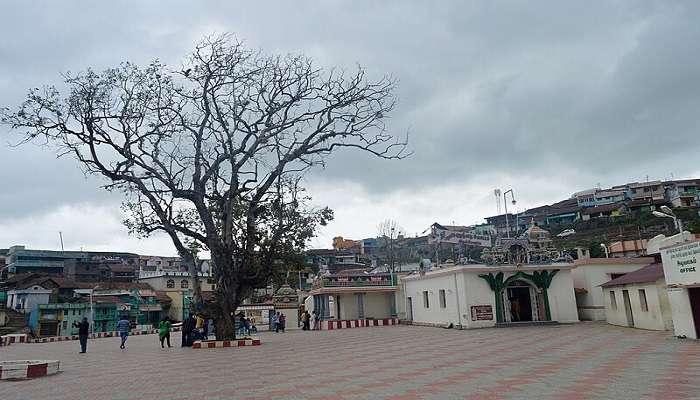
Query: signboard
[682, 264]
[441, 234]
[482, 313]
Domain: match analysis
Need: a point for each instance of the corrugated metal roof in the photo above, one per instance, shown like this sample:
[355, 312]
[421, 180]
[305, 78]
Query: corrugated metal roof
[649, 274]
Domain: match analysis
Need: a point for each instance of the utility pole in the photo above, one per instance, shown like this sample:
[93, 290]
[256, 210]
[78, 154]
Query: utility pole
[60, 236]
[505, 204]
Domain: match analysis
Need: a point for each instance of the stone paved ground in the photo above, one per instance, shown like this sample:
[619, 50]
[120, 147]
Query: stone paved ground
[582, 361]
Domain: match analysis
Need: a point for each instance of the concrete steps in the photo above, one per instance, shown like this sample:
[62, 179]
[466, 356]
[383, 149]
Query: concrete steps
[17, 323]
[526, 323]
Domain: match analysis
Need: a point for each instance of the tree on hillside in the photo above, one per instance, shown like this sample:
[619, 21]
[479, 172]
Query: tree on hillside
[387, 233]
[212, 153]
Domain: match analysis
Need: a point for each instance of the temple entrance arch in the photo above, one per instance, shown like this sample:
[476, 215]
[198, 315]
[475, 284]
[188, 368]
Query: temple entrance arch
[521, 300]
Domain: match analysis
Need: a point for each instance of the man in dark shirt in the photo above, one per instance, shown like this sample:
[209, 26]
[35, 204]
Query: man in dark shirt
[83, 332]
[188, 331]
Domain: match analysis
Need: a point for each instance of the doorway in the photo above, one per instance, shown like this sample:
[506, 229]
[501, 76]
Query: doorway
[409, 302]
[694, 296]
[628, 308]
[519, 303]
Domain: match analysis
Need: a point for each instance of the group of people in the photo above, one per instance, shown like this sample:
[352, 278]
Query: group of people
[279, 321]
[123, 327]
[307, 319]
[196, 327]
[245, 325]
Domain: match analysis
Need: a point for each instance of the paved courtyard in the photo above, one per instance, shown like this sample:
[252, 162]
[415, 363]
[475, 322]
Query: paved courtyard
[587, 360]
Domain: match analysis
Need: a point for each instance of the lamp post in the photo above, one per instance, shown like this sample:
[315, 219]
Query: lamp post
[666, 212]
[605, 248]
[505, 204]
[391, 250]
[92, 311]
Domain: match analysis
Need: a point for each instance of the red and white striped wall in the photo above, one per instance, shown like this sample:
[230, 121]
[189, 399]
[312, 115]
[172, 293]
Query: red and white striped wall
[213, 344]
[95, 335]
[28, 369]
[357, 323]
[14, 338]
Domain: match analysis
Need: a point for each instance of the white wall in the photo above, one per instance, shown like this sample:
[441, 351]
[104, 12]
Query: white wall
[26, 300]
[591, 305]
[562, 302]
[683, 324]
[435, 314]
[477, 292]
[652, 319]
[471, 290]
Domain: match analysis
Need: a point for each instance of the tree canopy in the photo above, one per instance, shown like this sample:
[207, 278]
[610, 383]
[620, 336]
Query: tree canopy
[213, 153]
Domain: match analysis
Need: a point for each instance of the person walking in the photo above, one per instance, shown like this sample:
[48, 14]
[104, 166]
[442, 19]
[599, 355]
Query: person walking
[164, 331]
[307, 321]
[317, 322]
[83, 332]
[276, 322]
[123, 327]
[188, 326]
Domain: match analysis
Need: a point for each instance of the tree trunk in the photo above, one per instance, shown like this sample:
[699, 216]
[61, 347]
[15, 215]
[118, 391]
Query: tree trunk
[225, 326]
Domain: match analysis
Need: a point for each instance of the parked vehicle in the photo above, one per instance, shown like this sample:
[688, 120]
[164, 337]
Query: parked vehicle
[566, 232]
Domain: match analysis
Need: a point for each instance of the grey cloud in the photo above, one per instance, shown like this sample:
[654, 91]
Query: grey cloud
[573, 93]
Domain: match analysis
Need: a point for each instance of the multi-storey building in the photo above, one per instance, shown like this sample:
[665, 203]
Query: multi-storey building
[47, 262]
[598, 197]
[56, 319]
[178, 287]
[683, 193]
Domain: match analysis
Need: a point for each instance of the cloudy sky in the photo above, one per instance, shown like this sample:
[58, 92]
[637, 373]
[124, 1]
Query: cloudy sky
[546, 98]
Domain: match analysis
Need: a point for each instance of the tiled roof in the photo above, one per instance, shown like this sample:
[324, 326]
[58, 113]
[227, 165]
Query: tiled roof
[61, 283]
[162, 297]
[649, 274]
[124, 285]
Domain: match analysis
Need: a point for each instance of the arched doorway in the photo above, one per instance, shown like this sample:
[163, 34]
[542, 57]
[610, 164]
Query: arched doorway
[521, 301]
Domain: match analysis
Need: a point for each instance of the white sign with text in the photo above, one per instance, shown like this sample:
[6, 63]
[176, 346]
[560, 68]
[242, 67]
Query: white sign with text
[682, 264]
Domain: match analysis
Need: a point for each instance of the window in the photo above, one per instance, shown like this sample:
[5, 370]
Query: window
[643, 300]
[613, 302]
[170, 284]
[426, 301]
[184, 284]
[65, 325]
[443, 300]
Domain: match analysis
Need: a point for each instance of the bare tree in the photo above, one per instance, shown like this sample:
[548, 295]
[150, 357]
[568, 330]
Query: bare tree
[387, 233]
[212, 153]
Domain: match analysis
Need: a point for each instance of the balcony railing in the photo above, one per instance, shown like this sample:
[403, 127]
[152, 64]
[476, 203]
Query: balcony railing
[356, 281]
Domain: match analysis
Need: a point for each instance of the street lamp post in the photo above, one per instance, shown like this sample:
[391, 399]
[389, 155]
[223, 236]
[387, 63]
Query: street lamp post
[605, 248]
[391, 250]
[666, 212]
[505, 204]
[92, 311]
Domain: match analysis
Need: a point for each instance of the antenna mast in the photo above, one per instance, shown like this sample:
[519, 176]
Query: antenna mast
[497, 193]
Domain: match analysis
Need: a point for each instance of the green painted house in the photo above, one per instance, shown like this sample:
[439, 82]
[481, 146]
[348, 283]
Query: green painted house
[56, 319]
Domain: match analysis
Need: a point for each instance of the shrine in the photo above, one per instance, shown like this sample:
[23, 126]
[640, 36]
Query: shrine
[523, 280]
[286, 302]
